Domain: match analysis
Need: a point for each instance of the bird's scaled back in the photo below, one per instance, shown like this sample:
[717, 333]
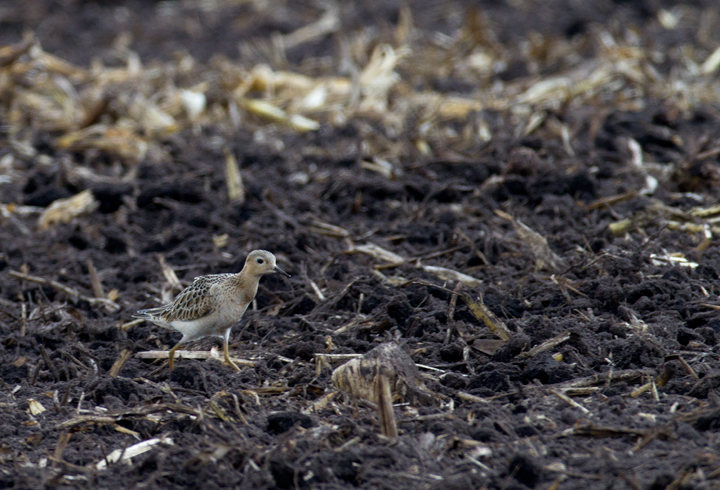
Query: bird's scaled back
[197, 300]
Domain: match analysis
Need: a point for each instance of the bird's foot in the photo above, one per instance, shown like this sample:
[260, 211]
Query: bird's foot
[226, 355]
[231, 363]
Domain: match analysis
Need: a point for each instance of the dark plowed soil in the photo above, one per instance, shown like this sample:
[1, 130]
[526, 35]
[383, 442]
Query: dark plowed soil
[626, 394]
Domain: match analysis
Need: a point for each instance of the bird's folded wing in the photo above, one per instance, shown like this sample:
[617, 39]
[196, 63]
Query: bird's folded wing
[194, 302]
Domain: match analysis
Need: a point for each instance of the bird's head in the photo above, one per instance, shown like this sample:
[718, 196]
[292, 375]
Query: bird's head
[262, 262]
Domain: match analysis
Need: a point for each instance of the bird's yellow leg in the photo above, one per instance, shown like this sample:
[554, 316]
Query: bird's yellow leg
[226, 341]
[171, 355]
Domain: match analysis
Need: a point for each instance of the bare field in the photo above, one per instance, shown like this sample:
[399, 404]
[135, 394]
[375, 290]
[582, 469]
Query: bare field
[520, 195]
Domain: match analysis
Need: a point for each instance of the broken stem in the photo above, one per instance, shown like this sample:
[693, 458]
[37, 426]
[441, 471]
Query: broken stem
[73, 293]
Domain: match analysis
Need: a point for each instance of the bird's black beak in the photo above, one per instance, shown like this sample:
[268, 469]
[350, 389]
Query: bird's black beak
[279, 270]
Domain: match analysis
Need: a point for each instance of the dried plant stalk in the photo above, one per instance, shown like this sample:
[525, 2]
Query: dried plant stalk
[74, 294]
[376, 252]
[386, 414]
[544, 257]
[268, 110]
[169, 273]
[10, 54]
[482, 313]
[327, 229]
[126, 454]
[119, 141]
[35, 406]
[62, 443]
[233, 179]
[326, 24]
[378, 78]
[95, 280]
[545, 346]
[64, 210]
[120, 362]
[451, 275]
[213, 353]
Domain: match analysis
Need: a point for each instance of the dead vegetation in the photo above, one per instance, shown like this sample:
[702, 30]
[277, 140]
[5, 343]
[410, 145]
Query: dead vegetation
[501, 224]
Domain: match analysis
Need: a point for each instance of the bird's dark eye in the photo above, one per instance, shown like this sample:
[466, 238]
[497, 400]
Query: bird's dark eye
[260, 261]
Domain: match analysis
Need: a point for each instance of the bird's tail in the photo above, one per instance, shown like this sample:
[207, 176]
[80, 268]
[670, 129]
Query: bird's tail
[149, 314]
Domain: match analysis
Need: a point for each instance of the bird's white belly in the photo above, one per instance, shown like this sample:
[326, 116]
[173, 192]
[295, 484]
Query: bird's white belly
[214, 324]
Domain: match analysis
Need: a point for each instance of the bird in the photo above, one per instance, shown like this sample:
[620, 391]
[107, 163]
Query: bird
[212, 304]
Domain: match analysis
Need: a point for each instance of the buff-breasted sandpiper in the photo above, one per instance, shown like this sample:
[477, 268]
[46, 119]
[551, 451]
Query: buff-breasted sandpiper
[212, 304]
